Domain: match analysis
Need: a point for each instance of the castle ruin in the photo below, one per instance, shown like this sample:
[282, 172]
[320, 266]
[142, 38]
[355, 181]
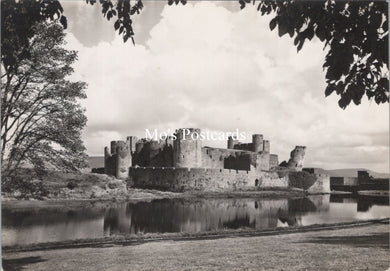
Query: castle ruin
[184, 164]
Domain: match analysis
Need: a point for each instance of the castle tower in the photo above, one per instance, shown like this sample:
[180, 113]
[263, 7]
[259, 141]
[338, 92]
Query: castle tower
[297, 157]
[113, 146]
[257, 143]
[230, 143]
[187, 148]
[131, 141]
[266, 146]
[123, 160]
[169, 141]
[107, 160]
[139, 146]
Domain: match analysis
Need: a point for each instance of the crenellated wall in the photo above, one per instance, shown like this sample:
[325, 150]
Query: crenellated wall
[231, 142]
[153, 153]
[189, 153]
[183, 164]
[227, 158]
[243, 146]
[212, 179]
[203, 179]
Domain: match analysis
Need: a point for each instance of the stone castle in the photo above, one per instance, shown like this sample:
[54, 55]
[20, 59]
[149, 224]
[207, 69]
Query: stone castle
[183, 164]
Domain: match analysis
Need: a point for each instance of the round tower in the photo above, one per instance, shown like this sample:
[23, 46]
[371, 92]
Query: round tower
[123, 160]
[107, 158]
[297, 157]
[131, 142]
[257, 142]
[187, 148]
[230, 143]
[113, 146]
[139, 146]
[266, 146]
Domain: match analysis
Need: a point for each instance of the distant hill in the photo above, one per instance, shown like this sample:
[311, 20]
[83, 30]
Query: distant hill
[96, 161]
[352, 172]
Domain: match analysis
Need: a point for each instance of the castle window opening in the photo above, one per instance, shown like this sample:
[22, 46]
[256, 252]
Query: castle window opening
[257, 182]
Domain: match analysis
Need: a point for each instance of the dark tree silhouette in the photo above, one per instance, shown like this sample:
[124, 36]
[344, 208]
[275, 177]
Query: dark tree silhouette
[355, 34]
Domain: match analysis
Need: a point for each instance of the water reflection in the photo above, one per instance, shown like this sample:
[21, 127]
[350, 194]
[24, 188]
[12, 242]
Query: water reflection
[183, 215]
[364, 202]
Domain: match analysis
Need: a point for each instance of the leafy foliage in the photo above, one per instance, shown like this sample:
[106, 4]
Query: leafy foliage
[123, 10]
[18, 19]
[41, 118]
[19, 16]
[356, 34]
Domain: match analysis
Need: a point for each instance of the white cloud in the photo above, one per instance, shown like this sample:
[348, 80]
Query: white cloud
[212, 68]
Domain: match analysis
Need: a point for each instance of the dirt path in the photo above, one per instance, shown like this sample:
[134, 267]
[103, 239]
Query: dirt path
[363, 247]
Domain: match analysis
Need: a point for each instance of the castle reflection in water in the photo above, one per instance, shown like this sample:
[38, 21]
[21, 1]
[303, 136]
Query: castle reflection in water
[40, 224]
[180, 215]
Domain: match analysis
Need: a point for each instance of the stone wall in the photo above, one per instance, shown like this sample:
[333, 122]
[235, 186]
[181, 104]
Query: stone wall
[243, 146]
[227, 158]
[273, 161]
[153, 153]
[262, 161]
[321, 185]
[363, 176]
[350, 181]
[211, 179]
[214, 158]
[337, 180]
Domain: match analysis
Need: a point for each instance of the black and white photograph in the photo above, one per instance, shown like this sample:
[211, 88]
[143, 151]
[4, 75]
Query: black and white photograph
[195, 135]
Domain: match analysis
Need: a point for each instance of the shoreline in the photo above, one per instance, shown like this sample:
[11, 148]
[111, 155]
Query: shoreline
[212, 235]
[59, 186]
[138, 195]
[364, 247]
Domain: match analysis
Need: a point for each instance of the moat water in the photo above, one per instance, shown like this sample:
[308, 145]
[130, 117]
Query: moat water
[96, 220]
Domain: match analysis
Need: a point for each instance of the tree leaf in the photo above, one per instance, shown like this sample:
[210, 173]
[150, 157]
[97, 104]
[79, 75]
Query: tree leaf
[64, 22]
[272, 23]
[116, 25]
[329, 89]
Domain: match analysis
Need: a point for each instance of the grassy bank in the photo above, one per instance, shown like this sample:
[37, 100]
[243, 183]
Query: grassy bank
[362, 247]
[57, 185]
[90, 186]
[139, 238]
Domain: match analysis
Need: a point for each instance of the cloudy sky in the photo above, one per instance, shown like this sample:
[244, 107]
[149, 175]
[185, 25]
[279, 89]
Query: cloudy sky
[213, 66]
